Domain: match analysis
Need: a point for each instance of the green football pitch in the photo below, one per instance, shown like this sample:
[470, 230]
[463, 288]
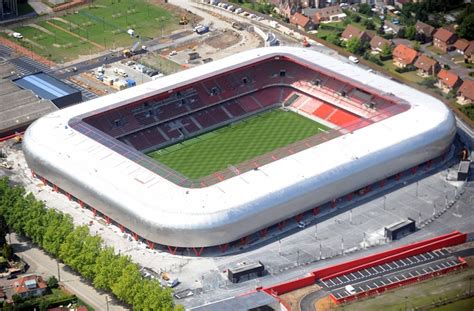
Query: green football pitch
[233, 144]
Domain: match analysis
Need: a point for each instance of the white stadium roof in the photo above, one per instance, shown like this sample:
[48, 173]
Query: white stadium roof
[163, 212]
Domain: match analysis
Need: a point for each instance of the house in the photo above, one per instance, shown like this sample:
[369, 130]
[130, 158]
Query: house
[377, 43]
[354, 32]
[426, 66]
[469, 53]
[301, 21]
[392, 28]
[444, 39]
[403, 56]
[329, 14]
[461, 46]
[448, 80]
[30, 286]
[424, 32]
[466, 93]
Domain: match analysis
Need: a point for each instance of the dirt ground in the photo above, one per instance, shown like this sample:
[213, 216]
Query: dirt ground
[192, 18]
[293, 298]
[324, 304]
[225, 39]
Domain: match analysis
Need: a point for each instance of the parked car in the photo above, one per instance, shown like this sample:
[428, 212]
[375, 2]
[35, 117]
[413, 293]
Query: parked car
[353, 59]
[17, 35]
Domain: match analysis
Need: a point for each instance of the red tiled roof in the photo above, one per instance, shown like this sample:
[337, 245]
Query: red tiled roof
[20, 287]
[329, 11]
[461, 44]
[425, 63]
[352, 32]
[448, 78]
[443, 34]
[378, 42]
[470, 49]
[426, 29]
[404, 54]
[299, 19]
[467, 89]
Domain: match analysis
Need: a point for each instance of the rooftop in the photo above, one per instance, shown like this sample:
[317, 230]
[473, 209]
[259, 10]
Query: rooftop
[467, 89]
[300, 20]
[448, 77]
[425, 29]
[45, 86]
[405, 54]
[443, 34]
[425, 63]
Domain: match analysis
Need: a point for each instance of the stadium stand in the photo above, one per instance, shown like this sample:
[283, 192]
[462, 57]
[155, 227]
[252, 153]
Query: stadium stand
[207, 104]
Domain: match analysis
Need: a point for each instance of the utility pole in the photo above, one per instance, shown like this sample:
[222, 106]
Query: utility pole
[320, 251]
[59, 272]
[417, 189]
[384, 202]
[315, 231]
[342, 245]
[350, 217]
[107, 302]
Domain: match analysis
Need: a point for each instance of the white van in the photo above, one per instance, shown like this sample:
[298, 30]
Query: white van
[353, 59]
[17, 35]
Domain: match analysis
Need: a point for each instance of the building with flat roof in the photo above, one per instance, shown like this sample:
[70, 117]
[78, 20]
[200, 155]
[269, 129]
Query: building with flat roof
[18, 107]
[48, 87]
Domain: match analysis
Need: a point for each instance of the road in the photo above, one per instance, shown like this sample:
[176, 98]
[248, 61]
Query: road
[46, 266]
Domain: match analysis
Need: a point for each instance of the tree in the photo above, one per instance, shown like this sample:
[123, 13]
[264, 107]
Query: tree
[410, 32]
[17, 298]
[127, 285]
[386, 50]
[108, 268]
[365, 9]
[4, 230]
[466, 28]
[356, 18]
[7, 251]
[52, 282]
[58, 227]
[416, 46]
[354, 45]
[334, 39]
[369, 24]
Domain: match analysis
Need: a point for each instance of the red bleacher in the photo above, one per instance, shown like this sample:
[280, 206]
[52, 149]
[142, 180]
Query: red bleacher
[324, 111]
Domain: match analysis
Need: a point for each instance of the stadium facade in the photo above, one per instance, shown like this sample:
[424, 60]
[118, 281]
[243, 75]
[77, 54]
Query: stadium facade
[87, 150]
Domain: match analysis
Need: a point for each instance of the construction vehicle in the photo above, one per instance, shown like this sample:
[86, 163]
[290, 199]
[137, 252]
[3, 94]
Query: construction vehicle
[184, 20]
[237, 26]
[127, 53]
[18, 138]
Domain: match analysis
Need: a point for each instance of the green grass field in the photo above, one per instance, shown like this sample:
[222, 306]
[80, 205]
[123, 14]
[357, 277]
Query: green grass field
[105, 23]
[208, 153]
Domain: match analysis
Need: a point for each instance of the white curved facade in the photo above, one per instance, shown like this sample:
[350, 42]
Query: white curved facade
[163, 212]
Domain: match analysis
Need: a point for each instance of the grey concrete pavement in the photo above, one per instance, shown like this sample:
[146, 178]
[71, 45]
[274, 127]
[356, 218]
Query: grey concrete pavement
[40, 263]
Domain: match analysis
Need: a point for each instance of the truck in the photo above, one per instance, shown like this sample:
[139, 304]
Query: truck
[200, 29]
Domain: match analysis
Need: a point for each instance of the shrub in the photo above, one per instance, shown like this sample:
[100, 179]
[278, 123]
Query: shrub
[52, 282]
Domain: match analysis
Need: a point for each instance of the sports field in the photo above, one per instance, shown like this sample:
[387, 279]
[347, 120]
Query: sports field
[96, 27]
[208, 153]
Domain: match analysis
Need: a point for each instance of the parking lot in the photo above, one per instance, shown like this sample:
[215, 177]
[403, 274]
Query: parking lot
[389, 273]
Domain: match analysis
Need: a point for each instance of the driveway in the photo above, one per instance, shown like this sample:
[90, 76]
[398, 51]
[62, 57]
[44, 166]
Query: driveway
[443, 59]
[42, 264]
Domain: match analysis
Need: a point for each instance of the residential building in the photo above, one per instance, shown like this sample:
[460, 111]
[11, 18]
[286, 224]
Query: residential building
[329, 14]
[469, 53]
[426, 66]
[377, 43]
[461, 46]
[392, 28]
[444, 39]
[448, 80]
[424, 32]
[404, 56]
[466, 93]
[301, 21]
[30, 286]
[354, 32]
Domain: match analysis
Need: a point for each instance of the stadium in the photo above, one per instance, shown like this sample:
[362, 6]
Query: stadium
[219, 152]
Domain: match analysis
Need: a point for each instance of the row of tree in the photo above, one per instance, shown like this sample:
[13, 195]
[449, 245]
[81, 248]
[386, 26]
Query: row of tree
[75, 246]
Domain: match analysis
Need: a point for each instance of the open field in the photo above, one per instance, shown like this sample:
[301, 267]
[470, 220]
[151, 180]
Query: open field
[410, 75]
[96, 27]
[236, 143]
[419, 294]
